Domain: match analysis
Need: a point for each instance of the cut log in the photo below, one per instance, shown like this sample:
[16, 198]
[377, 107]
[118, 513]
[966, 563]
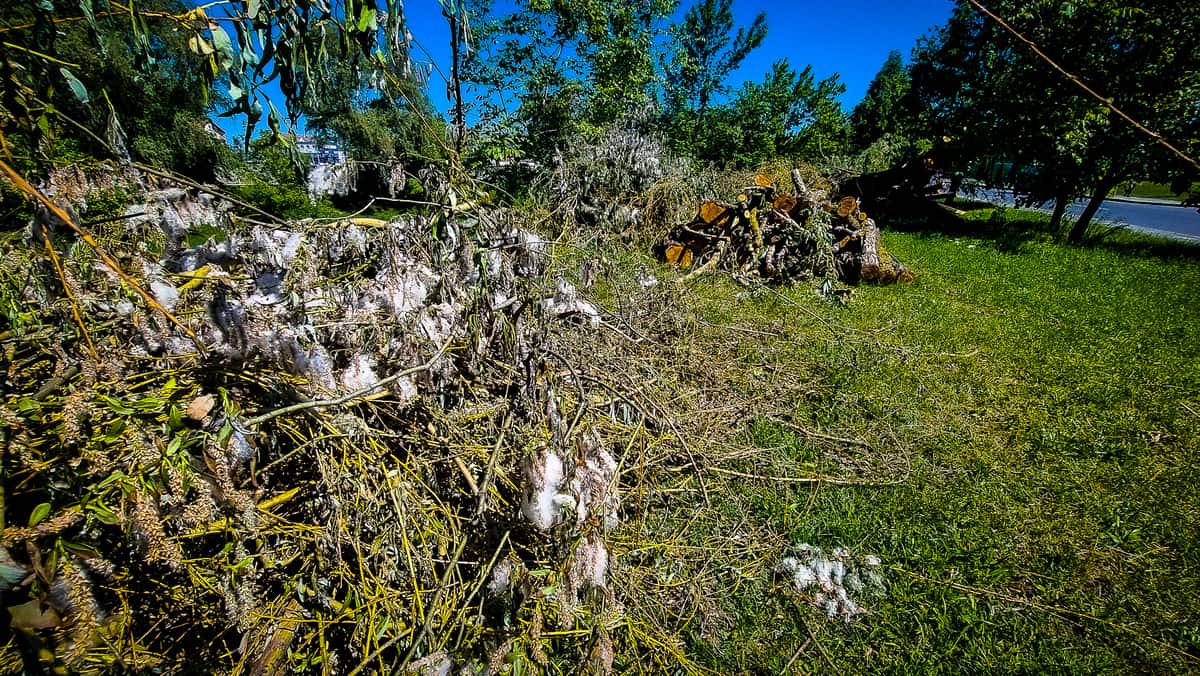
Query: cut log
[679, 255]
[711, 212]
[783, 238]
[875, 265]
[784, 203]
[869, 267]
[847, 207]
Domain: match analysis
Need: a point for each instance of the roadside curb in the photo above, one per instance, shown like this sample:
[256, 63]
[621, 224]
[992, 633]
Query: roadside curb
[1148, 200]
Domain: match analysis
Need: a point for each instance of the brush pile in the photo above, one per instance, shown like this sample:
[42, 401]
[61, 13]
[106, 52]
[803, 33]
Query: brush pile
[784, 237]
[247, 446]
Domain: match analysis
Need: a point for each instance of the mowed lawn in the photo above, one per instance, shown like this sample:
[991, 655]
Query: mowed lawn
[1029, 417]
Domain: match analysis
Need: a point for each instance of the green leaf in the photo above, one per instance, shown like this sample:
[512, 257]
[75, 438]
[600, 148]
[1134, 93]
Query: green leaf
[85, 6]
[11, 572]
[116, 406]
[224, 434]
[273, 119]
[39, 514]
[366, 20]
[175, 418]
[252, 8]
[103, 513]
[148, 404]
[224, 46]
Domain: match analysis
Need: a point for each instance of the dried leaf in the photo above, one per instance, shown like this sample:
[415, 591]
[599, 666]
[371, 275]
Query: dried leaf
[30, 617]
[200, 407]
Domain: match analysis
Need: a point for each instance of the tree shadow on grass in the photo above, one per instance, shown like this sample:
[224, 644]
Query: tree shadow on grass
[1010, 230]
[1120, 239]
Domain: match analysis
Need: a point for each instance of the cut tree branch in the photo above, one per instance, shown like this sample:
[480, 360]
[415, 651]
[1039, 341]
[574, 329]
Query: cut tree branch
[345, 399]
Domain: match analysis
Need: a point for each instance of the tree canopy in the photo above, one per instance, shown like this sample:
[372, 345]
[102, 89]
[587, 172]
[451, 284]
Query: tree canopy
[997, 99]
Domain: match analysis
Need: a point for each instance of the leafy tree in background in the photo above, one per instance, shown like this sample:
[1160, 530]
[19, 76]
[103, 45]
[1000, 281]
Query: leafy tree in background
[886, 109]
[528, 96]
[157, 111]
[555, 69]
[376, 116]
[616, 46]
[705, 52]
[997, 100]
[788, 114]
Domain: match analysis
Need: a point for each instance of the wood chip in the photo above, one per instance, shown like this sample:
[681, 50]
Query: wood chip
[200, 407]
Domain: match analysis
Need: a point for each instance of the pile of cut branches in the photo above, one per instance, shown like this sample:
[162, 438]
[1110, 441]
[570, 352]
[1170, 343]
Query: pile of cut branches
[784, 237]
[256, 446]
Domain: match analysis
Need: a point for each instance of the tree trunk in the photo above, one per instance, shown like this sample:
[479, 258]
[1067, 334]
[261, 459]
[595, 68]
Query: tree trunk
[1060, 208]
[454, 17]
[1085, 219]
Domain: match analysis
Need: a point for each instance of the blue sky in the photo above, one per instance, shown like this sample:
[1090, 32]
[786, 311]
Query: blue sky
[847, 37]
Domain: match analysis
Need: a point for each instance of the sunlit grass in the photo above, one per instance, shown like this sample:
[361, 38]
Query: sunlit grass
[1028, 418]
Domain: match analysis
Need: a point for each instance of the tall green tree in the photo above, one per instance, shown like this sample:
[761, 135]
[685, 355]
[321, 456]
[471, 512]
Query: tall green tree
[705, 52]
[997, 99]
[787, 114]
[886, 108]
[555, 68]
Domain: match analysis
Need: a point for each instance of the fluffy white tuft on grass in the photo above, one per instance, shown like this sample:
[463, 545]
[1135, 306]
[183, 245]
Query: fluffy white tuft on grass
[826, 580]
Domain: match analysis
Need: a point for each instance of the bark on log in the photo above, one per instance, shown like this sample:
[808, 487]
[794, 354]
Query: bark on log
[875, 265]
[869, 266]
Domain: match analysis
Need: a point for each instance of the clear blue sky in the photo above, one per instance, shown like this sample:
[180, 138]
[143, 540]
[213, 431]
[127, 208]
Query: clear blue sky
[847, 37]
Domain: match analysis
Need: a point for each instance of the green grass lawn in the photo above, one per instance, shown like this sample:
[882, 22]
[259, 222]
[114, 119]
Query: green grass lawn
[1024, 421]
[1154, 190]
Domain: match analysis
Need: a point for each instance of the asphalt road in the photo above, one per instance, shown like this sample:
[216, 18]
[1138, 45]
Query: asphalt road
[1152, 216]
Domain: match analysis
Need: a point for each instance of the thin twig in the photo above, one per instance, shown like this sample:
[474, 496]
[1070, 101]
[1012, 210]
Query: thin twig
[811, 480]
[490, 473]
[824, 437]
[62, 276]
[437, 597]
[326, 403]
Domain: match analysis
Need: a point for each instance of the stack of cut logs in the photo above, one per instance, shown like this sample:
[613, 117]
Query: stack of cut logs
[784, 238]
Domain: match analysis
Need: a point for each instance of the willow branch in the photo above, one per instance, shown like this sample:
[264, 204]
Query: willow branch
[26, 187]
[345, 399]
